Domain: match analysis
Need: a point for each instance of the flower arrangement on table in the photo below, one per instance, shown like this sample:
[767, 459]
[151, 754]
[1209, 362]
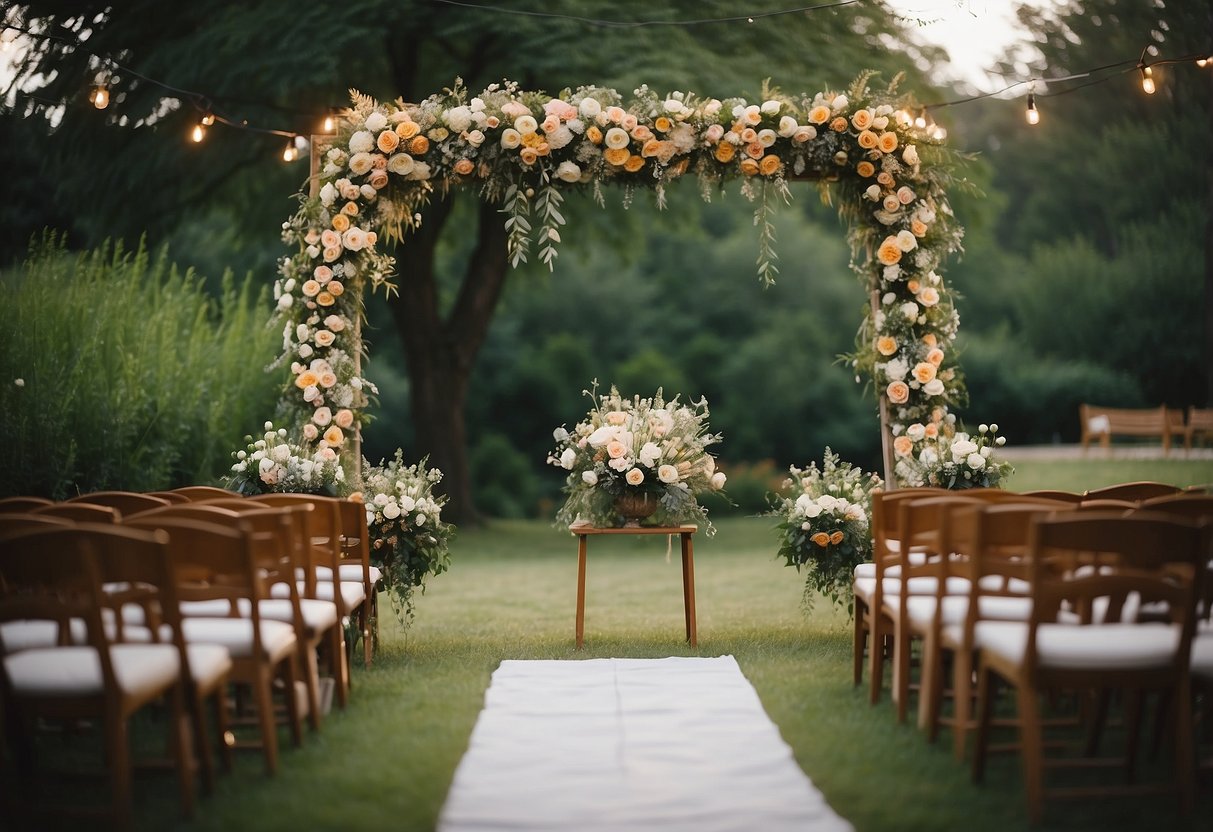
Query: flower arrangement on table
[275, 463]
[633, 457]
[824, 524]
[408, 539]
[936, 454]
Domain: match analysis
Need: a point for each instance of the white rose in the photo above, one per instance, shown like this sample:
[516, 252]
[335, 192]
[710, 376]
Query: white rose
[400, 164]
[420, 521]
[281, 453]
[934, 387]
[328, 194]
[589, 478]
[771, 107]
[787, 127]
[407, 503]
[458, 118]
[510, 138]
[906, 241]
[910, 155]
[910, 310]
[265, 465]
[568, 172]
[840, 102]
[560, 434]
[391, 511]
[896, 370]
[589, 107]
[567, 459]
[649, 454]
[617, 137]
[718, 480]
[873, 193]
[976, 461]
[916, 432]
[362, 142]
[667, 474]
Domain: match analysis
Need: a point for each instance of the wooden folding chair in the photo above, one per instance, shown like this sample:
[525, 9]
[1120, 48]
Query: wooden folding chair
[203, 492]
[1153, 557]
[1135, 491]
[80, 512]
[52, 575]
[127, 502]
[12, 504]
[225, 563]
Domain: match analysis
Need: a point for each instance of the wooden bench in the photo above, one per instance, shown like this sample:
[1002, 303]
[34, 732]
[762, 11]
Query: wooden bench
[1200, 421]
[1104, 422]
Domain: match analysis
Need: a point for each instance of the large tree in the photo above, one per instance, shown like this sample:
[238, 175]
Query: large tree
[127, 170]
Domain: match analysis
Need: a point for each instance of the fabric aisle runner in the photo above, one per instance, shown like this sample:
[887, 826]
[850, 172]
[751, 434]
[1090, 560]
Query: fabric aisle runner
[629, 744]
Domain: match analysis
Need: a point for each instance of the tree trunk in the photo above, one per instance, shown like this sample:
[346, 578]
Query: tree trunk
[441, 353]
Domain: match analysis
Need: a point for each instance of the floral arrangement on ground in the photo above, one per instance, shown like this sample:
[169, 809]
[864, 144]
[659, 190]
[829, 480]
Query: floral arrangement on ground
[824, 525]
[409, 541]
[648, 451]
[275, 463]
[524, 149]
[937, 454]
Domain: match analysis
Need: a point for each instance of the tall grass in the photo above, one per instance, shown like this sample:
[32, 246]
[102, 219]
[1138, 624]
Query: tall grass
[121, 370]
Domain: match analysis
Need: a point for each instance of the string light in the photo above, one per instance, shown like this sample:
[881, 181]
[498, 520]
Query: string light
[100, 96]
[1147, 79]
[329, 124]
[208, 120]
[199, 132]
[1203, 62]
[1033, 115]
[290, 153]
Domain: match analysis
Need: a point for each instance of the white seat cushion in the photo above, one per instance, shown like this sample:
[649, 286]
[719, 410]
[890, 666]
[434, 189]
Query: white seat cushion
[921, 608]
[349, 572]
[317, 615]
[236, 634]
[1001, 583]
[352, 592]
[1100, 647]
[141, 670]
[1202, 653]
[208, 663]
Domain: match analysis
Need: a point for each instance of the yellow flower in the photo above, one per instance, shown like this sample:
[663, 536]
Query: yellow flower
[334, 436]
[929, 339]
[725, 152]
[594, 134]
[865, 169]
[662, 124]
[888, 142]
[341, 222]
[749, 167]
[419, 145]
[531, 139]
[889, 253]
[633, 164]
[617, 155]
[820, 539]
[839, 124]
[862, 119]
[769, 165]
[325, 299]
[867, 140]
[407, 129]
[836, 538]
[387, 141]
[306, 379]
[886, 345]
[819, 114]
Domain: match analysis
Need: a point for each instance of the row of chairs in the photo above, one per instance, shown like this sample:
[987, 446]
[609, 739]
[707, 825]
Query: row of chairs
[116, 600]
[1040, 592]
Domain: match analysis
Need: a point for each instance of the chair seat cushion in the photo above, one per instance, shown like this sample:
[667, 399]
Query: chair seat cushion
[922, 585]
[236, 634]
[353, 593]
[1100, 647]
[141, 670]
[349, 572]
[317, 615]
[921, 608]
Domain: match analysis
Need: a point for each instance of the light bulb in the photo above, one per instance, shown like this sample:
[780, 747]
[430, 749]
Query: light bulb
[101, 97]
[199, 132]
[1147, 80]
[289, 153]
[1033, 114]
[1202, 62]
[329, 124]
[208, 119]
[921, 122]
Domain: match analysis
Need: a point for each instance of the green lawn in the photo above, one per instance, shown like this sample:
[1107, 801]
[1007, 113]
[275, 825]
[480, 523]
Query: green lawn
[387, 761]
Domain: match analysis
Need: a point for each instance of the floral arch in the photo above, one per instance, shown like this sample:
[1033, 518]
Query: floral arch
[523, 150]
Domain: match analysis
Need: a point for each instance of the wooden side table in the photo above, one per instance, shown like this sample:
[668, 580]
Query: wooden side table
[688, 571]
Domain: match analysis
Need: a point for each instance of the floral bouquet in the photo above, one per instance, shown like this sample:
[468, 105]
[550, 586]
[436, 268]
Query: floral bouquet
[409, 541]
[273, 463]
[634, 458]
[936, 454]
[824, 524]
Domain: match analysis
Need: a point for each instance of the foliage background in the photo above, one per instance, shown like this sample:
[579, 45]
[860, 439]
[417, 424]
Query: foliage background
[1082, 278]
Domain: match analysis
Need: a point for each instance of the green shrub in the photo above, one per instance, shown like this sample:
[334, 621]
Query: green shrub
[122, 371]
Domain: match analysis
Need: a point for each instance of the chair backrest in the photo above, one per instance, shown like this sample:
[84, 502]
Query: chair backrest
[79, 512]
[171, 496]
[994, 539]
[24, 520]
[127, 502]
[1154, 558]
[1059, 496]
[9, 504]
[324, 533]
[355, 536]
[1195, 506]
[1137, 491]
[203, 492]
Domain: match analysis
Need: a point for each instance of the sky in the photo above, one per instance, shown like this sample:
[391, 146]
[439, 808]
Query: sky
[974, 32]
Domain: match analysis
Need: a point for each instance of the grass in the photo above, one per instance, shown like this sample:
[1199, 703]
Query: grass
[387, 761]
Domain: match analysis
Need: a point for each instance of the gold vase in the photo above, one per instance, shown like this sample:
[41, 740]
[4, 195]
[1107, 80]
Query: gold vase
[634, 507]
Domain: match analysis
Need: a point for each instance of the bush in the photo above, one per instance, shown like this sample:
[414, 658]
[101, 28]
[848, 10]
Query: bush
[124, 372]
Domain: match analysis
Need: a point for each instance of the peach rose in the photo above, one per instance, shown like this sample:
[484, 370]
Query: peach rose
[924, 371]
[344, 418]
[819, 114]
[634, 476]
[906, 195]
[334, 436]
[327, 379]
[749, 167]
[928, 296]
[633, 164]
[407, 129]
[867, 140]
[903, 445]
[310, 288]
[929, 339]
[528, 155]
[419, 145]
[755, 150]
[356, 497]
[725, 152]
[918, 228]
[325, 299]
[594, 134]
[865, 169]
[641, 133]
[887, 142]
[306, 379]
[913, 286]
[378, 179]
[350, 208]
[769, 165]
[323, 338]
[387, 141]
[617, 155]
[836, 538]
[862, 119]
[886, 345]
[662, 124]
[935, 356]
[464, 166]
[890, 203]
[341, 222]
[885, 178]
[931, 430]
[310, 433]
[838, 125]
[332, 254]
[335, 288]
[889, 253]
[820, 539]
[898, 392]
[651, 148]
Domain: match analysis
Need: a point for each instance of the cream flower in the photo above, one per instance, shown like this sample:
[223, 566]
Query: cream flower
[634, 476]
[362, 142]
[667, 474]
[322, 416]
[510, 138]
[906, 241]
[617, 138]
[400, 164]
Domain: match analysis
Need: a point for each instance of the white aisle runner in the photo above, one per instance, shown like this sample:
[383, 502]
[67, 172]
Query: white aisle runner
[629, 744]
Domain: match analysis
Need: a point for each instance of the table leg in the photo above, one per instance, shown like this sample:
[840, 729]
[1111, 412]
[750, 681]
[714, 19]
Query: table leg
[688, 588]
[580, 589]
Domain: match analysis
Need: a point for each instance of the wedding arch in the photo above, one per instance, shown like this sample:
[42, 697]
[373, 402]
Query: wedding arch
[372, 178]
